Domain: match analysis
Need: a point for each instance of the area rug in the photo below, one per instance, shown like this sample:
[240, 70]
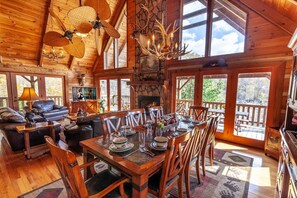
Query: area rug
[227, 178]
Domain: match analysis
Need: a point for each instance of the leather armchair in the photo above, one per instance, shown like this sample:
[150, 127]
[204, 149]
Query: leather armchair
[49, 110]
[84, 128]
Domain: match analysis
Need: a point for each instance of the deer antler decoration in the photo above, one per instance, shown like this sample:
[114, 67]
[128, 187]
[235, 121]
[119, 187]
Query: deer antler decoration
[167, 48]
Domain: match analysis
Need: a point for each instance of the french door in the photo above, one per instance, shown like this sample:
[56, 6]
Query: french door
[242, 97]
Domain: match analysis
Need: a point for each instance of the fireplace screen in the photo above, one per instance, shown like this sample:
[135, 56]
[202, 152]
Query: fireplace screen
[148, 101]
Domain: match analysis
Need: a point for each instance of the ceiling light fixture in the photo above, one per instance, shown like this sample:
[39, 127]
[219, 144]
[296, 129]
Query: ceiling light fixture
[53, 54]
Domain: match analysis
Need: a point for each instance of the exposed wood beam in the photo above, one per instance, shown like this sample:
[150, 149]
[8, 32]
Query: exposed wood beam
[271, 15]
[70, 62]
[122, 46]
[96, 62]
[45, 19]
[120, 5]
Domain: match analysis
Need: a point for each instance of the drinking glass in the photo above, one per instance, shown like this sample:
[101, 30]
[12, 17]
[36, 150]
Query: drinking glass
[141, 137]
[159, 132]
[149, 132]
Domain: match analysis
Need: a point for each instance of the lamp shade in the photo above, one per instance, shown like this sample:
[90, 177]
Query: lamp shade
[29, 94]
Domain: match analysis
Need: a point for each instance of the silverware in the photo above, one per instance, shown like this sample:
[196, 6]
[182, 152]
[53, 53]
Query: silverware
[148, 152]
[125, 156]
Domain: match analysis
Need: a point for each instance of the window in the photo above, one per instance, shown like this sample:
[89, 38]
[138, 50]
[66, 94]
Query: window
[3, 92]
[116, 93]
[227, 28]
[115, 54]
[184, 98]
[54, 89]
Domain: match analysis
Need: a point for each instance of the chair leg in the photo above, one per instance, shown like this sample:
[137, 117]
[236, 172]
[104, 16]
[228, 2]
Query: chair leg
[203, 155]
[187, 179]
[198, 169]
[210, 153]
[122, 191]
[180, 185]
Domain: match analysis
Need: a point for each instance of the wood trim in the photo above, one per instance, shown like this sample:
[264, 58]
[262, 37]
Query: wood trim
[70, 61]
[44, 27]
[271, 15]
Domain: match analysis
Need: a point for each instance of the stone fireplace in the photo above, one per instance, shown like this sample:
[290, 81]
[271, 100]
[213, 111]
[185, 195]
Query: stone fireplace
[147, 101]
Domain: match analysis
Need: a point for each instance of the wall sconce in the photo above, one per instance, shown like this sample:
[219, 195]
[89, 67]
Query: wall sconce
[81, 79]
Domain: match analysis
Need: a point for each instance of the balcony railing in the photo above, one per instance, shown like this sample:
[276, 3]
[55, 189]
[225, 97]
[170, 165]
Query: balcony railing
[3, 101]
[254, 115]
[58, 99]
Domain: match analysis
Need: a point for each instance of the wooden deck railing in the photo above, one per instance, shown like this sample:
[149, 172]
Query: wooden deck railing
[58, 99]
[3, 101]
[257, 114]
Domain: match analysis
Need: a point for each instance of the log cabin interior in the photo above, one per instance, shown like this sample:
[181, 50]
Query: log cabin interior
[86, 59]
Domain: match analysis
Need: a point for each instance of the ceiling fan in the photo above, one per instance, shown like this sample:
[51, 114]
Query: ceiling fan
[71, 43]
[93, 15]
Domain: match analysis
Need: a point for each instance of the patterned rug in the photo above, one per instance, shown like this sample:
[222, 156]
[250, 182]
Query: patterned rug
[227, 178]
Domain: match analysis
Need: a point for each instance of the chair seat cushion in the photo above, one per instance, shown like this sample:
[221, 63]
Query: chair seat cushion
[154, 181]
[102, 180]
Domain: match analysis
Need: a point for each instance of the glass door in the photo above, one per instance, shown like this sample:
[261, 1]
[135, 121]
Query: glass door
[54, 89]
[184, 98]
[3, 91]
[21, 82]
[214, 96]
[252, 104]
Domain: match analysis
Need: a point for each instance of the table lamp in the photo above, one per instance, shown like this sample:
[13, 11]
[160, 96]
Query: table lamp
[29, 95]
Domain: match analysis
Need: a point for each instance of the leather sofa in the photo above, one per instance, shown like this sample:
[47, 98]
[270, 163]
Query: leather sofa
[48, 110]
[9, 119]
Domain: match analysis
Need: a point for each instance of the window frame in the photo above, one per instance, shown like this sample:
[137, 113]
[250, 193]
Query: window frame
[119, 90]
[115, 43]
[209, 24]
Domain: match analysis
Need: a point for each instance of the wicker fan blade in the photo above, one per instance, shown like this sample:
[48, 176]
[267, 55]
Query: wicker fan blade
[57, 19]
[101, 7]
[111, 31]
[81, 18]
[76, 48]
[98, 41]
[55, 39]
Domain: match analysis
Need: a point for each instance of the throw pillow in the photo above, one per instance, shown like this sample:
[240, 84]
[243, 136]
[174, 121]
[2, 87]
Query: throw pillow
[12, 117]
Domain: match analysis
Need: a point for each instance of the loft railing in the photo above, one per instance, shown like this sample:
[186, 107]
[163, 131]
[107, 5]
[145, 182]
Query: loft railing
[256, 114]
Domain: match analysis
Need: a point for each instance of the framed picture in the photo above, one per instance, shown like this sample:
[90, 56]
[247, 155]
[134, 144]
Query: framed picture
[149, 64]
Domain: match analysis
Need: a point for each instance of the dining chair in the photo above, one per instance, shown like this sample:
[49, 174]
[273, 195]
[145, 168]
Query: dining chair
[136, 117]
[111, 122]
[104, 183]
[209, 143]
[156, 112]
[199, 135]
[172, 170]
[198, 112]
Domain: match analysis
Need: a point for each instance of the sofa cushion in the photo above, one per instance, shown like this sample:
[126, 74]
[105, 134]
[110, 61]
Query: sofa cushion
[12, 117]
[44, 105]
[9, 115]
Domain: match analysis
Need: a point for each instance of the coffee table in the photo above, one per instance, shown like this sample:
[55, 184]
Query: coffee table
[28, 130]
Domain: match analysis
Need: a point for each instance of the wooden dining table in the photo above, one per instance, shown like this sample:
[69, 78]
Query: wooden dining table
[137, 165]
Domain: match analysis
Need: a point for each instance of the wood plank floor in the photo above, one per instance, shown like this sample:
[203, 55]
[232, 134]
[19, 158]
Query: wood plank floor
[19, 175]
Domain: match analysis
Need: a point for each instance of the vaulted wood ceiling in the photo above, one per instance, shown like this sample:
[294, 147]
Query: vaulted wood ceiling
[23, 24]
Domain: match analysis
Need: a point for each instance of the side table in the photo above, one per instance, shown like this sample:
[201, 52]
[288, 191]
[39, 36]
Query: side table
[28, 130]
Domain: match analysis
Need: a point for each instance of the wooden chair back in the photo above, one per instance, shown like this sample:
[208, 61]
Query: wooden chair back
[111, 122]
[156, 112]
[198, 112]
[69, 170]
[175, 156]
[213, 125]
[198, 140]
[137, 117]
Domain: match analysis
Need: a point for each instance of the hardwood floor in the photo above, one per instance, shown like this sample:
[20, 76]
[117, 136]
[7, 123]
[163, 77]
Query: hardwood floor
[19, 175]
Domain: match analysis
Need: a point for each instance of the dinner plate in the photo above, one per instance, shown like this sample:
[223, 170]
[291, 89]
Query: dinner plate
[127, 147]
[182, 129]
[186, 121]
[154, 146]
